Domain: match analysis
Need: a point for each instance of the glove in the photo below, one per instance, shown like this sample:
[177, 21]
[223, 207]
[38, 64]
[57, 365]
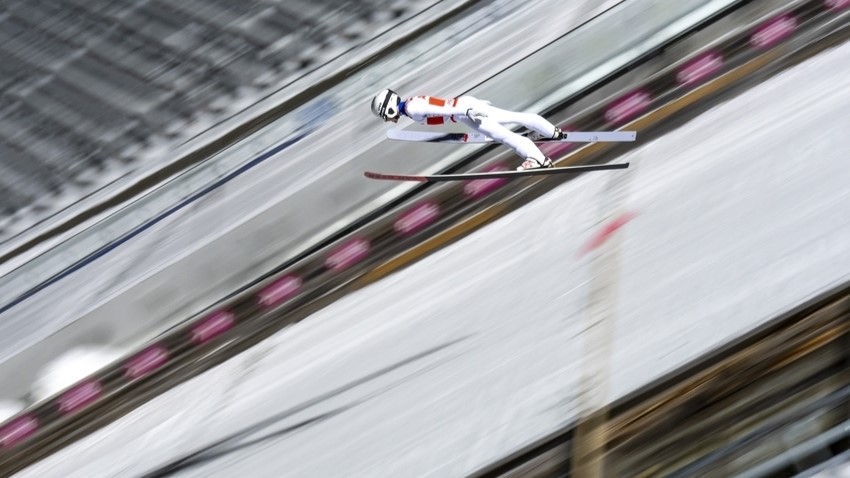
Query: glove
[475, 115]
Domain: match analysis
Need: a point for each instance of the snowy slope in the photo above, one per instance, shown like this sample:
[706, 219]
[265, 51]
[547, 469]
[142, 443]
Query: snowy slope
[478, 349]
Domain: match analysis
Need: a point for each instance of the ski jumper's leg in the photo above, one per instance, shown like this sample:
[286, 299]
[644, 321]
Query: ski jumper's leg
[521, 145]
[531, 121]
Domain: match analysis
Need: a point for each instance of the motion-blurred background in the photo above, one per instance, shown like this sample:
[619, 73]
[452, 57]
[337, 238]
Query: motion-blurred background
[198, 280]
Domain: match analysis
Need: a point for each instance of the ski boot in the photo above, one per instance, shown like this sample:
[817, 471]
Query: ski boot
[531, 163]
[535, 136]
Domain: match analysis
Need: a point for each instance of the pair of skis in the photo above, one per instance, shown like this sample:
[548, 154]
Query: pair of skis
[477, 138]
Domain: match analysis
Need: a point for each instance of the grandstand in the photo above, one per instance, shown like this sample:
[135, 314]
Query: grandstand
[87, 87]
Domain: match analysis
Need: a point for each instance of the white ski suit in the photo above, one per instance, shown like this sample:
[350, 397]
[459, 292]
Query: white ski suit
[483, 117]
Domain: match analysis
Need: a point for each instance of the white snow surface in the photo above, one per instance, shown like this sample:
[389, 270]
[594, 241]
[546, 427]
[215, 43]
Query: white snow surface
[741, 213]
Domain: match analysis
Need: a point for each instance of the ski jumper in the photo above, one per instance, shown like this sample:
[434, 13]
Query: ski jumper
[485, 118]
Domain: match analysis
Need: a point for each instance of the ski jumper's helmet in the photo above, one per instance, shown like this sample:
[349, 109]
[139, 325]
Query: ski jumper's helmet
[385, 105]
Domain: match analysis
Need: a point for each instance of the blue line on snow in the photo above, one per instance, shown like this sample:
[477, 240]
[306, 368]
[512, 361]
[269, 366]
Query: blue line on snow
[105, 249]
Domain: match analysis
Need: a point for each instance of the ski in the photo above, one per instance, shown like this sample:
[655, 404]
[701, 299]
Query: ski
[471, 138]
[494, 174]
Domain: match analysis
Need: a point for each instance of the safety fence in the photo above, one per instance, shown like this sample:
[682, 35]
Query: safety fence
[375, 249]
